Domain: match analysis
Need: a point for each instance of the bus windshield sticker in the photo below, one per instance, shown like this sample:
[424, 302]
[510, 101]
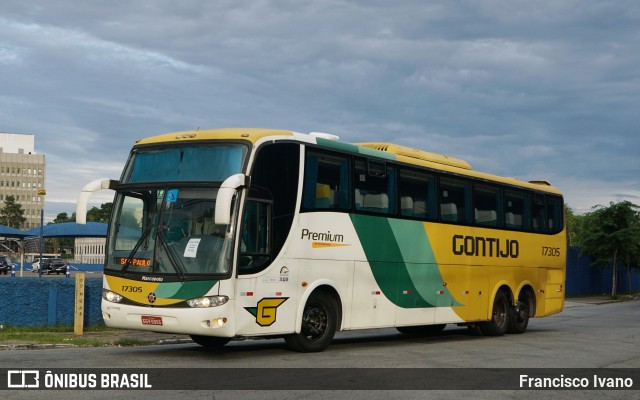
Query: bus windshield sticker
[192, 248]
[172, 196]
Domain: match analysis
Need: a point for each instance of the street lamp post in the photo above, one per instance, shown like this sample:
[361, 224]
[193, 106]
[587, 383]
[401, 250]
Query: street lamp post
[41, 193]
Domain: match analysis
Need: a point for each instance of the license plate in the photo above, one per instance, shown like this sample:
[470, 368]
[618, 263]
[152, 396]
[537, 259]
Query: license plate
[149, 320]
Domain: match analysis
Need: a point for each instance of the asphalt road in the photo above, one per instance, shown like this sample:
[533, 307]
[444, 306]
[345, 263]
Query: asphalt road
[585, 335]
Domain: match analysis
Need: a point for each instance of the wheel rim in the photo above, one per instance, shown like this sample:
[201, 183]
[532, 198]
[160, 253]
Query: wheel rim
[314, 322]
[521, 312]
[500, 313]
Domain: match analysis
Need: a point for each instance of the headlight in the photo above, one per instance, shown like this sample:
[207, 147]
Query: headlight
[210, 301]
[113, 297]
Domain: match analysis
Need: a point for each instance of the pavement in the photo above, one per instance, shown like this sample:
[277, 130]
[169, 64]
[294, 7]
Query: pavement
[121, 337]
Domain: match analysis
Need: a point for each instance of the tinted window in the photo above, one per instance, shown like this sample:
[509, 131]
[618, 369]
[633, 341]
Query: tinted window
[374, 187]
[326, 182]
[454, 200]
[417, 192]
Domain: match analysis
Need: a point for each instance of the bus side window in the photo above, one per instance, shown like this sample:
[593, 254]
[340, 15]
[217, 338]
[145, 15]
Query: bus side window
[374, 187]
[516, 214]
[455, 204]
[554, 213]
[487, 205]
[326, 182]
[539, 213]
[417, 194]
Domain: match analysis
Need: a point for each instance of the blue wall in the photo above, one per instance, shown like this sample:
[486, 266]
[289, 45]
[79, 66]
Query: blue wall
[584, 279]
[38, 302]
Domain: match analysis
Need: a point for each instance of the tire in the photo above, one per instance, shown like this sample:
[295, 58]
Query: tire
[421, 330]
[210, 341]
[318, 325]
[500, 316]
[520, 314]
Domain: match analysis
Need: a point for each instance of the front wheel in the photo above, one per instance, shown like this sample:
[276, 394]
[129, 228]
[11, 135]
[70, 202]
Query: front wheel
[500, 317]
[210, 341]
[318, 325]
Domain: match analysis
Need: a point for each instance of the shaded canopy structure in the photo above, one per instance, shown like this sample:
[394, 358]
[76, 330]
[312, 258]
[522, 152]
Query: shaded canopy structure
[70, 229]
[13, 233]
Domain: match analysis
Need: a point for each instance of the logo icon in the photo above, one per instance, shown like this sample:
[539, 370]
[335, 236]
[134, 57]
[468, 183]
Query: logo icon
[152, 297]
[23, 379]
[266, 310]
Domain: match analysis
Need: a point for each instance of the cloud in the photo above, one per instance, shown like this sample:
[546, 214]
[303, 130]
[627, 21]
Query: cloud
[544, 90]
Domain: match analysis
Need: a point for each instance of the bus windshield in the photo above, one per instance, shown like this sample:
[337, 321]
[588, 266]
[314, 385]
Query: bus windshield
[168, 232]
[204, 163]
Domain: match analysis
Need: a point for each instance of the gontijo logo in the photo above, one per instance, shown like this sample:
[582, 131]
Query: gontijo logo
[266, 309]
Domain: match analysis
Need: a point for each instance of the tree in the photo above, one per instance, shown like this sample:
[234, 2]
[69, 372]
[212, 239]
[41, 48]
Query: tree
[64, 217]
[612, 234]
[101, 214]
[12, 214]
[573, 223]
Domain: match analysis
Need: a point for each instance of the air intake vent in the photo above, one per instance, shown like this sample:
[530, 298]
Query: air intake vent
[417, 154]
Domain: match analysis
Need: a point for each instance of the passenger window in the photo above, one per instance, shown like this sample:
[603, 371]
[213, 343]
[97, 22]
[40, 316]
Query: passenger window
[455, 201]
[554, 214]
[374, 187]
[539, 213]
[326, 182]
[516, 213]
[417, 194]
[487, 203]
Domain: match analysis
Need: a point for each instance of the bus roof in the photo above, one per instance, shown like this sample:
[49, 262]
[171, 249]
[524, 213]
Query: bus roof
[389, 151]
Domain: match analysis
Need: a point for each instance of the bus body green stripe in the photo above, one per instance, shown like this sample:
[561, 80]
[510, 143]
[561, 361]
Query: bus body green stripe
[184, 290]
[386, 261]
[402, 261]
[352, 148]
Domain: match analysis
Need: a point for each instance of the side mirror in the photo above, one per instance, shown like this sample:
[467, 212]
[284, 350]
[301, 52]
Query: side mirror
[85, 194]
[225, 196]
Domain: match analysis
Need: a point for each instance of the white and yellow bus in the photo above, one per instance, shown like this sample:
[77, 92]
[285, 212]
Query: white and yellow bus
[253, 232]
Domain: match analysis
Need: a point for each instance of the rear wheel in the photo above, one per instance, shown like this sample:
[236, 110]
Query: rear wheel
[318, 325]
[520, 314]
[210, 341]
[500, 316]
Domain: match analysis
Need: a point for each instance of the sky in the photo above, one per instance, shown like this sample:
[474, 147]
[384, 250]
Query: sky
[531, 89]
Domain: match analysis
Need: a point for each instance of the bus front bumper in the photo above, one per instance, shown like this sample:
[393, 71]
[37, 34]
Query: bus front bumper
[212, 321]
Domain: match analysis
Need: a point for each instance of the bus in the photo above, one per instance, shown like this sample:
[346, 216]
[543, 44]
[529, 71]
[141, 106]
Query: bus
[228, 233]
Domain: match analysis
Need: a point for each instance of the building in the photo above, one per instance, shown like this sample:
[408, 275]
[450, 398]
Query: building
[22, 175]
[89, 250]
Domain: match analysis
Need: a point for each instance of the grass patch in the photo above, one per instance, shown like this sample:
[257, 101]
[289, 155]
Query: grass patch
[94, 336]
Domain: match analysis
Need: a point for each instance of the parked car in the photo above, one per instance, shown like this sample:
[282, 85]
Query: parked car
[6, 265]
[50, 266]
[35, 266]
[54, 266]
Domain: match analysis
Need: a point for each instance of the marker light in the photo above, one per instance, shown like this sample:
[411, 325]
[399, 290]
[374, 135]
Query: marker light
[113, 297]
[209, 301]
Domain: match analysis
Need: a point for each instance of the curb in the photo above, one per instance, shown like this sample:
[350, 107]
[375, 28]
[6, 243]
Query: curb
[44, 346]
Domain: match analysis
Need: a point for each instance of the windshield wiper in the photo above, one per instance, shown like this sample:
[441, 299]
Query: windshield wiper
[131, 256]
[172, 257]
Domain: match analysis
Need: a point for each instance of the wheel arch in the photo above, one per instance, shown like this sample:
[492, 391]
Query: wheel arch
[506, 288]
[326, 287]
[527, 288]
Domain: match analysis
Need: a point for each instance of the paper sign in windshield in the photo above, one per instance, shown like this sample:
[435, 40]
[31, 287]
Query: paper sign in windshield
[192, 248]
